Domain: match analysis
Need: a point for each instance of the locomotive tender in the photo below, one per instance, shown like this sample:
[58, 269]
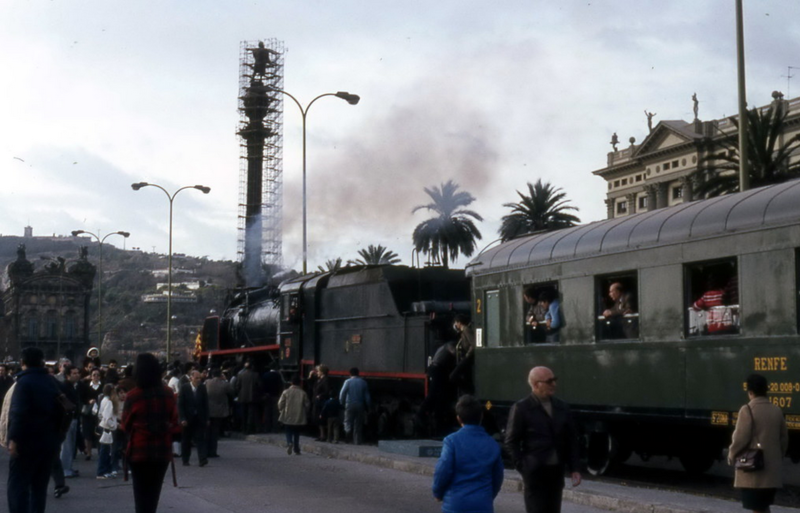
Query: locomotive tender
[386, 320]
[666, 377]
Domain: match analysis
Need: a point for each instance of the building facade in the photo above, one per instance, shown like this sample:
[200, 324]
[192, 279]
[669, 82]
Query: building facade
[664, 169]
[47, 307]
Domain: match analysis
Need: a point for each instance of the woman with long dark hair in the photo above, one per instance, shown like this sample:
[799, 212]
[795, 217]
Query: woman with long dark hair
[149, 418]
[760, 425]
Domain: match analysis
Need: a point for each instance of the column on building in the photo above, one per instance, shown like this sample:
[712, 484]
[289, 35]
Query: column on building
[688, 185]
[609, 208]
[652, 196]
[631, 199]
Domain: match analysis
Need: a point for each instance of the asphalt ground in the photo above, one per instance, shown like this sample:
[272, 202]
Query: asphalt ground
[260, 477]
[620, 494]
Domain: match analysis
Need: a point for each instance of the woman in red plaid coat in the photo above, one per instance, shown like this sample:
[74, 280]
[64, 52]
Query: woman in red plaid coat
[149, 419]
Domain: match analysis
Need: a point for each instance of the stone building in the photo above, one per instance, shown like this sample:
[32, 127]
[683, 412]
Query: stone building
[661, 171]
[46, 307]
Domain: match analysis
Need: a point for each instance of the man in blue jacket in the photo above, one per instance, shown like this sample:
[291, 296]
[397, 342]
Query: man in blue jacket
[356, 400]
[34, 420]
[469, 473]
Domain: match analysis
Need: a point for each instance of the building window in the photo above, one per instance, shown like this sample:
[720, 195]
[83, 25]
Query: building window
[616, 183]
[712, 298]
[638, 178]
[33, 326]
[677, 193]
[666, 166]
[642, 203]
[674, 163]
[51, 325]
[622, 207]
[609, 186]
[617, 310]
[69, 326]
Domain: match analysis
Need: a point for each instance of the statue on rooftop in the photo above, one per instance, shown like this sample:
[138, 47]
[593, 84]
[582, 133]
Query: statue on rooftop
[614, 141]
[650, 116]
[262, 58]
[696, 105]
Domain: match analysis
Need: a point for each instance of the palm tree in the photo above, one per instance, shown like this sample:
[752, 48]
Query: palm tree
[331, 265]
[769, 160]
[451, 232]
[376, 255]
[544, 208]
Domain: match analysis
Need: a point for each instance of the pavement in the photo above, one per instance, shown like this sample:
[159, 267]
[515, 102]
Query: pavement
[595, 494]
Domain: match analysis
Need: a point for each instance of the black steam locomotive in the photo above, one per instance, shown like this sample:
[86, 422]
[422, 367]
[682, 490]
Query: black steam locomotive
[386, 320]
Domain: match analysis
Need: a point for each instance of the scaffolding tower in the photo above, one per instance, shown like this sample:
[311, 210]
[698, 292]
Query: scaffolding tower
[260, 241]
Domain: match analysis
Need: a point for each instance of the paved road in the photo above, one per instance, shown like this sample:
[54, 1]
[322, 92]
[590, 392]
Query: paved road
[262, 478]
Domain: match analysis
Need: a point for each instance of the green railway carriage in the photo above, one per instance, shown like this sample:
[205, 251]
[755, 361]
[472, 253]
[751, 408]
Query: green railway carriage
[711, 295]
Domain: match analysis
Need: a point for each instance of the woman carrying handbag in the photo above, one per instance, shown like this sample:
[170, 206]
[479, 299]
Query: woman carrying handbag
[759, 442]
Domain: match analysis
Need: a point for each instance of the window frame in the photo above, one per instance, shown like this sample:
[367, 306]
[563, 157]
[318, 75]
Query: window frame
[688, 294]
[602, 282]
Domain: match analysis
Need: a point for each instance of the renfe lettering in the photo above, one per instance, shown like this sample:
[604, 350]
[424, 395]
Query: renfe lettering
[771, 363]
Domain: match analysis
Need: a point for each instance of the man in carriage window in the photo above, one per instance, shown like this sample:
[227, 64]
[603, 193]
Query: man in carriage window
[553, 318]
[534, 317]
[620, 304]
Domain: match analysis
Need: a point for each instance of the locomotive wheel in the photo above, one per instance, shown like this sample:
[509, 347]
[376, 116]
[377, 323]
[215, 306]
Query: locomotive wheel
[600, 452]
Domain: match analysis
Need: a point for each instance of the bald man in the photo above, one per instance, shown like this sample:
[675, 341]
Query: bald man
[543, 443]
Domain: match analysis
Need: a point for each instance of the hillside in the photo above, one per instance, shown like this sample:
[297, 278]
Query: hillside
[130, 324]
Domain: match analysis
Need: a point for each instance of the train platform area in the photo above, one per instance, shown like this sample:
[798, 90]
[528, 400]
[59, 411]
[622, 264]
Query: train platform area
[596, 494]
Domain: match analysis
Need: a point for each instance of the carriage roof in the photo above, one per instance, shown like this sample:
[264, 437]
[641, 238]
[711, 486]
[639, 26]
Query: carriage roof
[755, 209]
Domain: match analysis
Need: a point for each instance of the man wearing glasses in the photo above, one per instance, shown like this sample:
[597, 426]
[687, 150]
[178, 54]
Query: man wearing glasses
[543, 443]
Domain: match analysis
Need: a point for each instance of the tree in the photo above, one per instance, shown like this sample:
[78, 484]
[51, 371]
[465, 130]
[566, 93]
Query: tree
[769, 159]
[544, 208]
[451, 232]
[331, 265]
[376, 255]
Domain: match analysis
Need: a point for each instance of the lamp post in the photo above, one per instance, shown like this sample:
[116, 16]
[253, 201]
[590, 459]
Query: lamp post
[171, 197]
[100, 241]
[352, 99]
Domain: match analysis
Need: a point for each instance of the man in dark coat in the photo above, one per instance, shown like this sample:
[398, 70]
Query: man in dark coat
[462, 375]
[34, 421]
[220, 398]
[249, 391]
[193, 414]
[543, 443]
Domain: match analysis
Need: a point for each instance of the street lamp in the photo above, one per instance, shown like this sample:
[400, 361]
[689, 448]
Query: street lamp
[75, 233]
[352, 99]
[171, 197]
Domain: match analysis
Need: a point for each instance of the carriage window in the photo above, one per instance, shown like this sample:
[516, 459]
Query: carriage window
[543, 316]
[617, 307]
[712, 298]
[492, 318]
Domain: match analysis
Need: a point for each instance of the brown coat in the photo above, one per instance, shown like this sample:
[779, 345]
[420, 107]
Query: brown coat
[773, 436]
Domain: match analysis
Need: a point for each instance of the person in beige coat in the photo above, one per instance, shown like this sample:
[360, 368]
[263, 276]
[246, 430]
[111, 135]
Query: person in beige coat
[759, 487]
[293, 407]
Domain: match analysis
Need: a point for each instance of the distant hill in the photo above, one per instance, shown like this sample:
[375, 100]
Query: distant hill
[131, 325]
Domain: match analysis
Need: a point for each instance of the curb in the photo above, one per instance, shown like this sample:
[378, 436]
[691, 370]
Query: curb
[512, 482]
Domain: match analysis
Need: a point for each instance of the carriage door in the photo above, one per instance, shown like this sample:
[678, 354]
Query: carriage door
[492, 318]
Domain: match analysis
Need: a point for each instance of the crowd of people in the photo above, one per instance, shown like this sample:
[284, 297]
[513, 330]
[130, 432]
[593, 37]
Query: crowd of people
[48, 417]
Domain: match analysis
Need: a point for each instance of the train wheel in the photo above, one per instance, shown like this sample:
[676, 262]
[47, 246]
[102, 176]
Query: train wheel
[600, 452]
[696, 460]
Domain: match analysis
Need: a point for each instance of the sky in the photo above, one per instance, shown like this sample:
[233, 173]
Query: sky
[98, 94]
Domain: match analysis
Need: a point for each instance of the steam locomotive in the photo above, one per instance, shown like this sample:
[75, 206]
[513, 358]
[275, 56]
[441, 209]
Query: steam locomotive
[386, 320]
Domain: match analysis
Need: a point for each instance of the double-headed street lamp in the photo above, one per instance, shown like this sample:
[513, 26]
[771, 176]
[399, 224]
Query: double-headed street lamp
[100, 276]
[204, 190]
[352, 99]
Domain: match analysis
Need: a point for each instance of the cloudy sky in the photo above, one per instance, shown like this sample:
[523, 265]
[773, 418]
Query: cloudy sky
[97, 94]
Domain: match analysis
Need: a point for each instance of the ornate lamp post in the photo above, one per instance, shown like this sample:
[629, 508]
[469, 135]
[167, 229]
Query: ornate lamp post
[171, 197]
[352, 99]
[96, 236]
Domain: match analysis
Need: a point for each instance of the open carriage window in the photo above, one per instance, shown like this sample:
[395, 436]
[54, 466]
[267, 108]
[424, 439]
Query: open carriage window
[713, 298]
[617, 307]
[543, 316]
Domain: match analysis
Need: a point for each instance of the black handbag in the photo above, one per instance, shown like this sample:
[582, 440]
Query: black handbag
[750, 460]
